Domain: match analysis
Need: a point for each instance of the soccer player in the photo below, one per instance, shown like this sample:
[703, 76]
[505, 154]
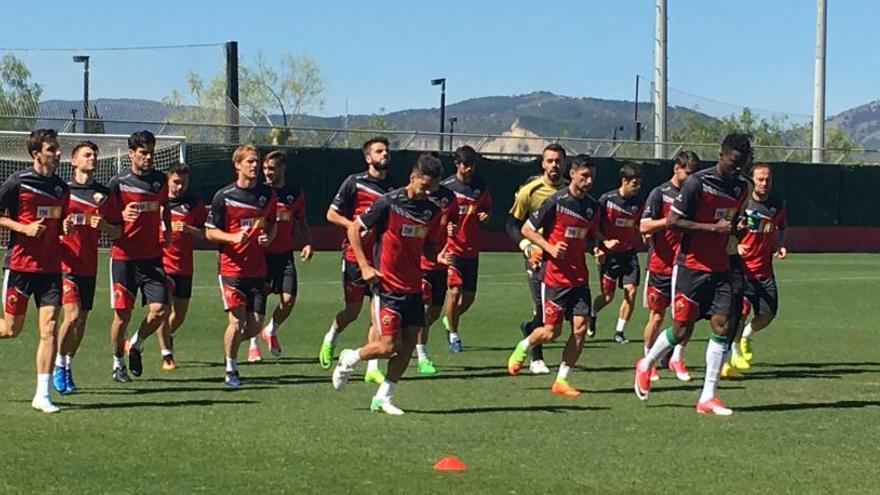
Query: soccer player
[136, 256]
[526, 201]
[661, 259]
[619, 221]
[355, 195]
[704, 211]
[290, 214]
[88, 206]
[763, 239]
[403, 221]
[242, 221]
[188, 215]
[474, 208]
[33, 203]
[561, 228]
[435, 275]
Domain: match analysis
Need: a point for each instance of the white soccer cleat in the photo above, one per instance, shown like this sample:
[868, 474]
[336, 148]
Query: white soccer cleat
[44, 404]
[383, 404]
[539, 367]
[341, 373]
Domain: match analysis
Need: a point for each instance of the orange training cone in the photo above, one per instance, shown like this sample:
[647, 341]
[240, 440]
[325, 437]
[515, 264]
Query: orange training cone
[449, 463]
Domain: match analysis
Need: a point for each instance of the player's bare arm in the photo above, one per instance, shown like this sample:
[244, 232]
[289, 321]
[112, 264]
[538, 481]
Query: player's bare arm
[33, 229]
[368, 273]
[222, 237]
[677, 222]
[305, 233]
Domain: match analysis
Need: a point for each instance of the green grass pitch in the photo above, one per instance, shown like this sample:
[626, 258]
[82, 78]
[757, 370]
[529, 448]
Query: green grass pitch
[805, 418]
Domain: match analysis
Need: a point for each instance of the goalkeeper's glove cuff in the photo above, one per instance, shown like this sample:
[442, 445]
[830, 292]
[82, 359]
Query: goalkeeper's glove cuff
[524, 246]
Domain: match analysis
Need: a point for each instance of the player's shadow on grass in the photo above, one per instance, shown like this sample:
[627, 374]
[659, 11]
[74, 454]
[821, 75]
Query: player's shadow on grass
[802, 406]
[684, 387]
[819, 365]
[121, 391]
[162, 404]
[551, 408]
[822, 373]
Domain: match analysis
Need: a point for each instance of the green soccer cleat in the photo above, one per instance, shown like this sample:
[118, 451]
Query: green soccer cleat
[374, 376]
[739, 362]
[445, 321]
[325, 355]
[426, 367]
[516, 360]
[745, 350]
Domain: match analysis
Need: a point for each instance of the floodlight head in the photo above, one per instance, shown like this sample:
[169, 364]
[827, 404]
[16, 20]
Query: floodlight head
[80, 58]
[437, 82]
[453, 119]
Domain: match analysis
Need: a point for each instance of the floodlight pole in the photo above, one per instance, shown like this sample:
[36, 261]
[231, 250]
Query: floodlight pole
[232, 90]
[441, 81]
[819, 84]
[84, 59]
[452, 121]
[660, 79]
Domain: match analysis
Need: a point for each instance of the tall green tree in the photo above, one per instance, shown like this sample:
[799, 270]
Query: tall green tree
[19, 97]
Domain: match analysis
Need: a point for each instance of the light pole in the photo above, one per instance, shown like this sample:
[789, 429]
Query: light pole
[441, 81]
[452, 121]
[84, 59]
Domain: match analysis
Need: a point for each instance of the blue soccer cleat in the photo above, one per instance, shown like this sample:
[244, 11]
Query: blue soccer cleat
[59, 380]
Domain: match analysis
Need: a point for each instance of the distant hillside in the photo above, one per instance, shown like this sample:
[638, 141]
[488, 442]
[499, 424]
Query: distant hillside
[862, 123]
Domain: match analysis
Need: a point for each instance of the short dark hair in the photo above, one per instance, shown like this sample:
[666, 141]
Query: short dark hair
[178, 169]
[466, 154]
[554, 147]
[141, 139]
[38, 137]
[737, 141]
[84, 144]
[276, 155]
[630, 171]
[428, 164]
[686, 158]
[756, 166]
[582, 160]
[373, 140]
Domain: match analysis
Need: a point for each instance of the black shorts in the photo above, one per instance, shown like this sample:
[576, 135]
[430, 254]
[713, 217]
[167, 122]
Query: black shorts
[699, 294]
[434, 287]
[761, 296]
[619, 269]
[353, 286]
[180, 286]
[127, 276]
[281, 273]
[78, 289]
[658, 291]
[562, 303]
[737, 292]
[463, 273]
[394, 311]
[18, 287]
[249, 293]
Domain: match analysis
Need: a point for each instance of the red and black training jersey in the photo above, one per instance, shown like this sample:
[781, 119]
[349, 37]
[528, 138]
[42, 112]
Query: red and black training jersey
[619, 219]
[565, 218]
[289, 207]
[27, 197]
[355, 195]
[403, 225]
[79, 253]
[235, 209]
[707, 197]
[473, 198]
[665, 242]
[445, 198]
[140, 239]
[765, 220]
[177, 256]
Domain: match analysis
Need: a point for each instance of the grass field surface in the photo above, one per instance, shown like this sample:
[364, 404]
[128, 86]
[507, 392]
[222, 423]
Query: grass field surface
[805, 418]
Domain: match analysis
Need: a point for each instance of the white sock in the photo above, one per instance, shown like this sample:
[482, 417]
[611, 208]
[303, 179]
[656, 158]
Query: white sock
[135, 341]
[621, 324]
[735, 348]
[59, 361]
[453, 336]
[42, 385]
[166, 353]
[385, 390]
[118, 363]
[372, 365]
[676, 353]
[270, 327]
[231, 365]
[714, 361]
[747, 331]
[422, 351]
[564, 370]
[661, 346]
[68, 360]
[350, 359]
[524, 345]
[647, 350]
[254, 342]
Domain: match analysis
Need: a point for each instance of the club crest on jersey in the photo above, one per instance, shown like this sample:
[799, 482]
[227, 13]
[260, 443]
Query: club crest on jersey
[58, 190]
[98, 198]
[476, 192]
[156, 186]
[262, 201]
[589, 213]
[290, 198]
[737, 190]
[444, 202]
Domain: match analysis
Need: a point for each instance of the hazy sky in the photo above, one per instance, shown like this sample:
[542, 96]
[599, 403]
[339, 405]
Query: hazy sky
[381, 54]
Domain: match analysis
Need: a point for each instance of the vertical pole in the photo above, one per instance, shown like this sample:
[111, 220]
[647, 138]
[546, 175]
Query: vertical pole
[86, 125]
[636, 124]
[660, 79]
[232, 90]
[442, 112]
[819, 84]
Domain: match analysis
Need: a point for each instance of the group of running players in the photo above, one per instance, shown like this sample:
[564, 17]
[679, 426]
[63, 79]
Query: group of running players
[412, 250]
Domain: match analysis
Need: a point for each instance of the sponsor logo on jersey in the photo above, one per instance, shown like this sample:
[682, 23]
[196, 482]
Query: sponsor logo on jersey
[572, 232]
[51, 212]
[416, 231]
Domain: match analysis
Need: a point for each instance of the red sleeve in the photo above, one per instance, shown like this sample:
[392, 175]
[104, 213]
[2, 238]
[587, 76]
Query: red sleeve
[299, 206]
